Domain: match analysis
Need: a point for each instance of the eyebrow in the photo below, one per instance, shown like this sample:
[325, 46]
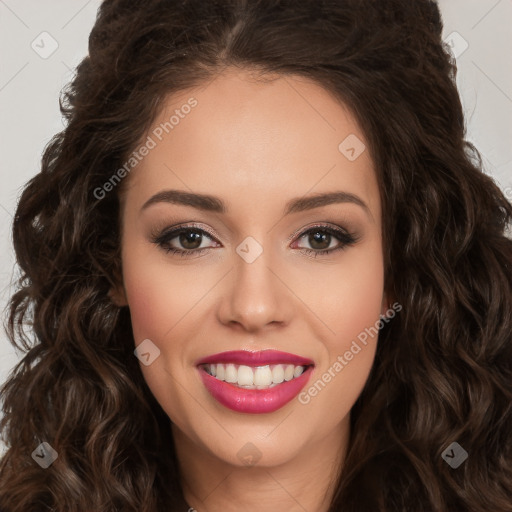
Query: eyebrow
[215, 204]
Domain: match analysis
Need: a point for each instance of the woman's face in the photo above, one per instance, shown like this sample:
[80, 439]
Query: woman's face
[254, 274]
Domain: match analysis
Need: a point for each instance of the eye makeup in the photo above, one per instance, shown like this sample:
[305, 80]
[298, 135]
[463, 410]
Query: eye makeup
[169, 239]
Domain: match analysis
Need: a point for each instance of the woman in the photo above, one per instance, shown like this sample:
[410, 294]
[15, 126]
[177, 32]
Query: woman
[262, 269]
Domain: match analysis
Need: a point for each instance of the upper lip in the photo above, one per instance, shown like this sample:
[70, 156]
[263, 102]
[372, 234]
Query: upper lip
[255, 358]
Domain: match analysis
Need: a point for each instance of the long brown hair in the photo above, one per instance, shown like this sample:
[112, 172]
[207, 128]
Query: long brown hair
[443, 368]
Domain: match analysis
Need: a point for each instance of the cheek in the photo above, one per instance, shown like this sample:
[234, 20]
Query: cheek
[350, 306]
[151, 305]
[360, 299]
[345, 297]
[158, 302]
[158, 295]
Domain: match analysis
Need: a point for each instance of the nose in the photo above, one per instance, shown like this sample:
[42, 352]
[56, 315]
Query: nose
[255, 296]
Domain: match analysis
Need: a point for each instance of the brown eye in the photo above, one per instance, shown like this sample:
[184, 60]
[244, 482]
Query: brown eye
[190, 239]
[185, 241]
[320, 239]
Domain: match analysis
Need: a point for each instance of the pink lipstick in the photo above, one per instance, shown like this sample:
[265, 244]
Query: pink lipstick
[254, 382]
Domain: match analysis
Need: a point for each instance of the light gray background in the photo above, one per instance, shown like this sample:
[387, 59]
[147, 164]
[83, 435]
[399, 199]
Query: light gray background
[30, 86]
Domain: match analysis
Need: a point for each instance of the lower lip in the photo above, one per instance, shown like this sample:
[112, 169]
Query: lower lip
[254, 401]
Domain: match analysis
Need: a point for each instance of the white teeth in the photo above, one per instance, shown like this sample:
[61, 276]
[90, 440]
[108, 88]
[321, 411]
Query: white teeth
[231, 373]
[278, 374]
[288, 372]
[245, 376]
[220, 372]
[260, 377]
[263, 376]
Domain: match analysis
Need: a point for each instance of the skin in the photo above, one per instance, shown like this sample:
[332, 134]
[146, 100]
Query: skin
[255, 145]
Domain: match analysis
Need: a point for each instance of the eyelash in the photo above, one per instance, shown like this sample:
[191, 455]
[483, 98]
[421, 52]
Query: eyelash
[162, 240]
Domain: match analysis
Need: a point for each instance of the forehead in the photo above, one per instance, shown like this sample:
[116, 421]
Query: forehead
[240, 134]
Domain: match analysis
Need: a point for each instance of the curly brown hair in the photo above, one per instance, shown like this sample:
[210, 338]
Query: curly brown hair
[443, 368]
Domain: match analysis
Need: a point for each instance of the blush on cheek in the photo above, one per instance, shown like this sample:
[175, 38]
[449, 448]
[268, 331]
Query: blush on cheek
[365, 300]
[145, 311]
[355, 312]
[360, 319]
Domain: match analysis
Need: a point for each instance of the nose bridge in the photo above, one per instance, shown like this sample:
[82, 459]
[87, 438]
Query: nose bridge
[256, 296]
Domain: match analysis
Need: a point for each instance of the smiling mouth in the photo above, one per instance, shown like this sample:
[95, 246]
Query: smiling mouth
[259, 377]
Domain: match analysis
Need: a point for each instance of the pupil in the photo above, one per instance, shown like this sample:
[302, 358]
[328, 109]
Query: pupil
[320, 237]
[189, 240]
